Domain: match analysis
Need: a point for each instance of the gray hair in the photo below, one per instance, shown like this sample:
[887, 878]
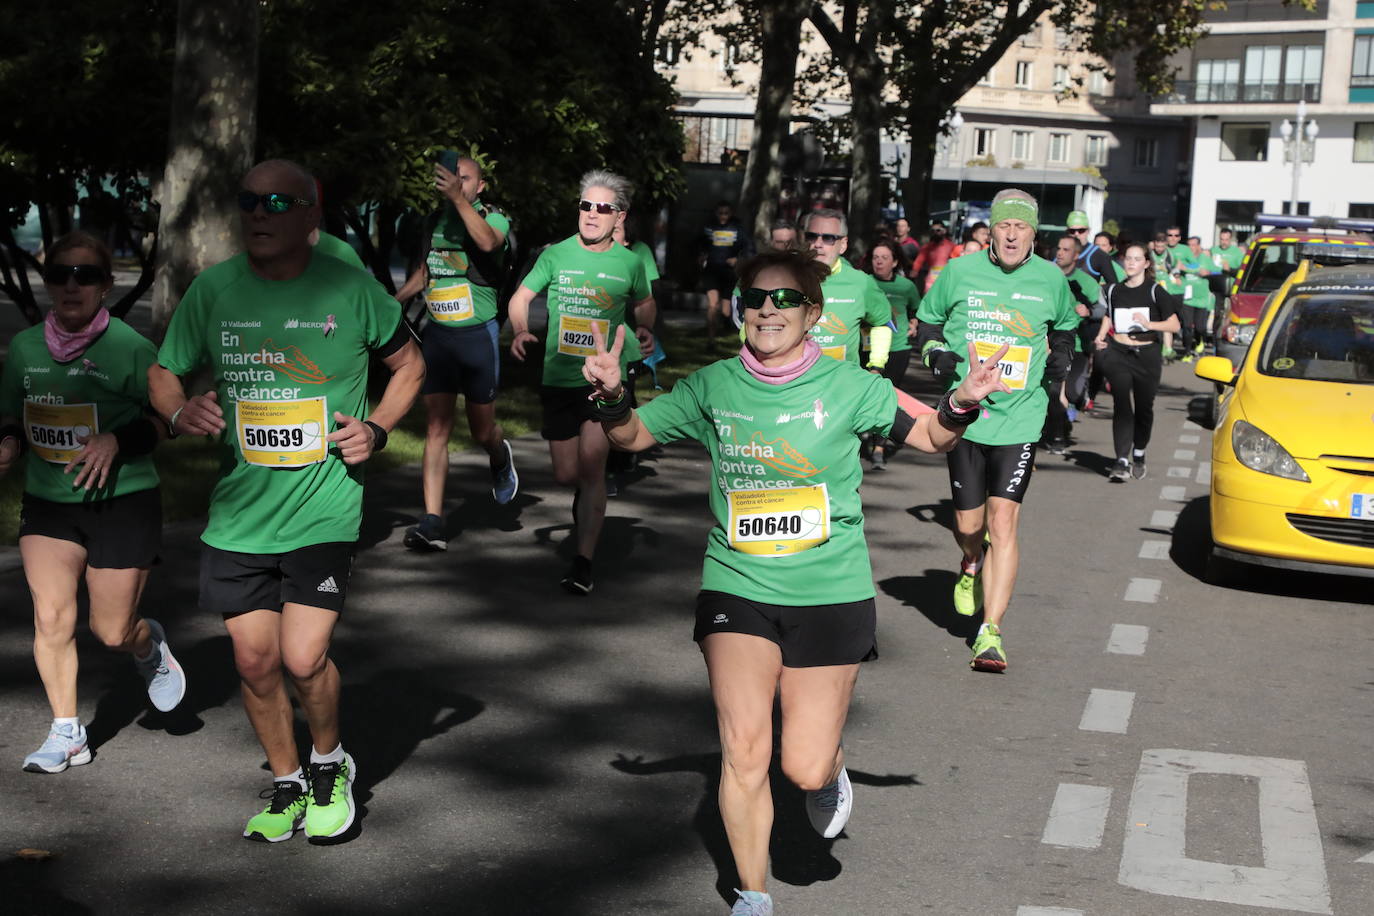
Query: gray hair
[825, 214]
[616, 184]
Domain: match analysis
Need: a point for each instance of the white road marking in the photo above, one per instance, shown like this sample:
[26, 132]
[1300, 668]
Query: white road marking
[1163, 518]
[1189, 424]
[1143, 590]
[1128, 639]
[1369, 859]
[1190, 440]
[1046, 911]
[1154, 859]
[1107, 711]
[1179, 471]
[1078, 816]
[1154, 550]
[1174, 494]
[1184, 454]
[1204, 472]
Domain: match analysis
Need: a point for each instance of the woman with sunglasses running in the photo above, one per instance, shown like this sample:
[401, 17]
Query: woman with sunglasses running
[74, 394]
[782, 427]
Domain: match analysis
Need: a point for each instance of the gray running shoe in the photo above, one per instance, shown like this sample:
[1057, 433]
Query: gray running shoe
[1138, 468]
[505, 483]
[66, 746]
[752, 903]
[162, 674]
[829, 807]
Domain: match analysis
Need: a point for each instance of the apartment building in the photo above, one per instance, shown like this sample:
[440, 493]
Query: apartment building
[1260, 59]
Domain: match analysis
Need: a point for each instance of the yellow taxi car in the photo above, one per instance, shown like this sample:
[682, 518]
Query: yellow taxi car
[1293, 445]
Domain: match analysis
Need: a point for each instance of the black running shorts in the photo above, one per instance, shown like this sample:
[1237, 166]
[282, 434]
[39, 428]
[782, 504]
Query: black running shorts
[809, 637]
[120, 533]
[464, 361]
[316, 576]
[977, 471]
[565, 410]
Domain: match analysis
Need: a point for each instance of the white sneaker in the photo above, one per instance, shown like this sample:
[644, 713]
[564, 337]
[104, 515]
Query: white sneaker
[65, 746]
[752, 903]
[829, 807]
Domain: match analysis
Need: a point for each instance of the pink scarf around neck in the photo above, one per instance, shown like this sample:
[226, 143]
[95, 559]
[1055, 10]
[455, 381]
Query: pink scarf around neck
[65, 345]
[781, 375]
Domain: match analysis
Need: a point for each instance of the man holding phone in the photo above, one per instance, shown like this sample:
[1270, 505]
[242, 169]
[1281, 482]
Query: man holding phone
[459, 277]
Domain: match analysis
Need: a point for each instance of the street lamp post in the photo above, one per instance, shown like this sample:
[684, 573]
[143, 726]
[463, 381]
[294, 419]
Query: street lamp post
[956, 123]
[1297, 140]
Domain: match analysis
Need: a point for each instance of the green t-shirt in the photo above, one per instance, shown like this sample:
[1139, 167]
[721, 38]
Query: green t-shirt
[785, 473]
[336, 247]
[852, 297]
[903, 297]
[462, 279]
[1226, 259]
[975, 300]
[285, 355]
[101, 390]
[586, 289]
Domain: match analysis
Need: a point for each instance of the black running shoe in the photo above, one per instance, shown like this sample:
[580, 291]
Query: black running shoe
[1121, 472]
[427, 536]
[578, 578]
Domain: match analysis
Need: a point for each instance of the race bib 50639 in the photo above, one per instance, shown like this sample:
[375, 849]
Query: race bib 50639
[773, 523]
[1015, 365]
[282, 434]
[575, 335]
[449, 304]
[54, 431]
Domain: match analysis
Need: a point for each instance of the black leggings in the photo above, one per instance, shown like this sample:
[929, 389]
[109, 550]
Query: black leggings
[1133, 373]
[1193, 325]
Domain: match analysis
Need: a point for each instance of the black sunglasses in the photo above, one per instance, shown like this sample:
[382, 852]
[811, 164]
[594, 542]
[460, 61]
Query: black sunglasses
[84, 274]
[823, 236]
[753, 297]
[1077, 229]
[272, 202]
[602, 208]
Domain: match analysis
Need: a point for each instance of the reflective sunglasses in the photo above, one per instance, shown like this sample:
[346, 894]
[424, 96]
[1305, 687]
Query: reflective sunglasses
[753, 297]
[272, 202]
[83, 274]
[587, 205]
[1078, 229]
[825, 237]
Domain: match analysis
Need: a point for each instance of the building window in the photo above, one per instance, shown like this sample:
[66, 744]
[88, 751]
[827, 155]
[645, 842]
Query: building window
[1240, 215]
[1095, 150]
[1364, 141]
[1061, 77]
[729, 58]
[1098, 84]
[982, 141]
[1361, 211]
[1362, 66]
[1262, 72]
[1023, 74]
[1304, 208]
[1218, 80]
[1059, 148]
[1023, 145]
[1245, 142]
[715, 140]
[667, 52]
[1147, 152]
[985, 79]
[1061, 39]
[1302, 73]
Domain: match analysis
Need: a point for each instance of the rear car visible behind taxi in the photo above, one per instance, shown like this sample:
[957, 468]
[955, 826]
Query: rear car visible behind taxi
[1293, 446]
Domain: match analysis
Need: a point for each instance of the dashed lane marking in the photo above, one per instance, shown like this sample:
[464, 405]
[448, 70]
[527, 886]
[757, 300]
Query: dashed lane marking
[1180, 471]
[1078, 816]
[1174, 494]
[1107, 711]
[1046, 911]
[1184, 454]
[1190, 440]
[1189, 424]
[1154, 550]
[1366, 859]
[1143, 590]
[1163, 518]
[1128, 639]
[1204, 472]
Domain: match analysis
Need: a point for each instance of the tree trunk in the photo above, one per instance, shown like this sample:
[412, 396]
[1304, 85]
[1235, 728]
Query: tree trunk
[14, 276]
[924, 125]
[781, 30]
[866, 82]
[211, 140]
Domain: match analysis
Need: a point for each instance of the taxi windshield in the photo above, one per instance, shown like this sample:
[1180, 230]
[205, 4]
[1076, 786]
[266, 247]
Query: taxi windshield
[1323, 335]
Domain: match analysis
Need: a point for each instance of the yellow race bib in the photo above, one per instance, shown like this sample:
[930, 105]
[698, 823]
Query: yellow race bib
[575, 335]
[52, 429]
[1015, 365]
[449, 304]
[774, 523]
[282, 434]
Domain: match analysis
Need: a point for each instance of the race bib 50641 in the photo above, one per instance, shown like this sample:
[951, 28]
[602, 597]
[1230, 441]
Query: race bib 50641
[449, 304]
[55, 431]
[282, 434]
[1015, 365]
[774, 523]
[575, 335]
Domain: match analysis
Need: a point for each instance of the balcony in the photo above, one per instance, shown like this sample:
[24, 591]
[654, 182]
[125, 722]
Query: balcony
[1194, 93]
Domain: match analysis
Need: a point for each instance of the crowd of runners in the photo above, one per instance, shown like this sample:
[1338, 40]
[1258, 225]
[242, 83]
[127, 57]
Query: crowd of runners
[285, 333]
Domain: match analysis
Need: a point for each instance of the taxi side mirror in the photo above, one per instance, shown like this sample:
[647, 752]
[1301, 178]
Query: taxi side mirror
[1215, 369]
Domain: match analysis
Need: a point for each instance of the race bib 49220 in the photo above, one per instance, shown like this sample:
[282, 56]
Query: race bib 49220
[575, 335]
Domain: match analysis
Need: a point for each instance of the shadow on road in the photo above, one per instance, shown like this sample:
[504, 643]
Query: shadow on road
[933, 595]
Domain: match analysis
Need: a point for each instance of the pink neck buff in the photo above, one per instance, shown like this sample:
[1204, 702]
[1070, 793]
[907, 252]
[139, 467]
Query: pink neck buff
[781, 375]
[65, 345]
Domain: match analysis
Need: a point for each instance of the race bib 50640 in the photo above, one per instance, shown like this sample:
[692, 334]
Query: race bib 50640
[55, 431]
[282, 434]
[449, 304]
[575, 335]
[773, 523]
[1015, 365]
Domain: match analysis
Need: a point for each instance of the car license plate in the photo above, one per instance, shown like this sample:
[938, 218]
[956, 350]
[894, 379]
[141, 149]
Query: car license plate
[1362, 506]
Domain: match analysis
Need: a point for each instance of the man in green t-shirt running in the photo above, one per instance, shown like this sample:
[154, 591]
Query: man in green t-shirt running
[288, 334]
[591, 281]
[1003, 295]
[1086, 292]
[459, 276]
[852, 297]
[1226, 257]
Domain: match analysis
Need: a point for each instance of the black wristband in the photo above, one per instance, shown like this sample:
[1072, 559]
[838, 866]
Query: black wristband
[378, 436]
[954, 419]
[613, 411]
[137, 437]
[15, 431]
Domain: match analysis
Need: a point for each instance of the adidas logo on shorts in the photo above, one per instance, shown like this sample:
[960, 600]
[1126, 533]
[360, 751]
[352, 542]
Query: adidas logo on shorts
[329, 585]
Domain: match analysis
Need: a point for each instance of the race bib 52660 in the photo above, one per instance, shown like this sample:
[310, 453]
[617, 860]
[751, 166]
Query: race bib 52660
[449, 304]
[575, 335]
[773, 523]
[54, 431]
[282, 434]
[1015, 365]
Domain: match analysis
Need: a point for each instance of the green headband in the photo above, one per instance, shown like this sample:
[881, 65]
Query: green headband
[1015, 208]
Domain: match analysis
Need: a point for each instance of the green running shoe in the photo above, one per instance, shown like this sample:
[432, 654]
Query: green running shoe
[283, 814]
[987, 650]
[968, 593]
[329, 811]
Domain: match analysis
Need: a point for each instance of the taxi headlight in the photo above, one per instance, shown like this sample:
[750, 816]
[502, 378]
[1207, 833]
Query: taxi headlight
[1240, 334]
[1258, 451]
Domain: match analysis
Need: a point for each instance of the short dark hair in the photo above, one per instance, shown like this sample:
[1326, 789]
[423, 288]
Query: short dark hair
[1225, 230]
[781, 224]
[976, 226]
[78, 240]
[1105, 235]
[1194, 238]
[724, 203]
[802, 265]
[1077, 245]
